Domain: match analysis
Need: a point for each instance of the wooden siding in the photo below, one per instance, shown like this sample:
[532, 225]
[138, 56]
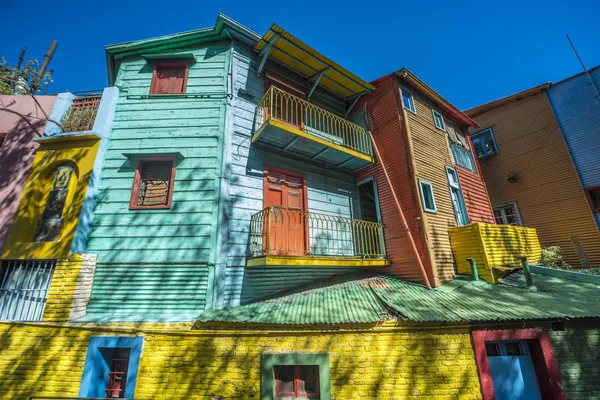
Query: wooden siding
[387, 129]
[477, 201]
[548, 193]
[328, 192]
[189, 127]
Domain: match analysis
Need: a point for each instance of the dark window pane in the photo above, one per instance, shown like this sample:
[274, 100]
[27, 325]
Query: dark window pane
[155, 183]
[491, 349]
[309, 378]
[514, 349]
[284, 377]
[49, 227]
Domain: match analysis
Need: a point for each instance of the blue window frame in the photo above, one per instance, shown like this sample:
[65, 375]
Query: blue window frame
[427, 196]
[484, 143]
[438, 120]
[101, 353]
[408, 101]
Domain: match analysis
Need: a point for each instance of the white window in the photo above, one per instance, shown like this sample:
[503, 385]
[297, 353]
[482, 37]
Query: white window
[408, 101]
[484, 143]
[460, 210]
[427, 196]
[439, 120]
[507, 214]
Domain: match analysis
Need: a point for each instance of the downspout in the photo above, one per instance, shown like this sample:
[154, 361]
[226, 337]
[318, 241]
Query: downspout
[397, 202]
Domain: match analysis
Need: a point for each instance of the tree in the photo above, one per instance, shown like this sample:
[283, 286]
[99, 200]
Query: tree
[23, 80]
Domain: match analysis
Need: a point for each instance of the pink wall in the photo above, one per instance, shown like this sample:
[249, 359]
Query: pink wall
[18, 150]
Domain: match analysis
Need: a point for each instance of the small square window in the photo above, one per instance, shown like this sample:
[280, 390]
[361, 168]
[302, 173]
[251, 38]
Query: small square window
[296, 380]
[491, 349]
[427, 196]
[507, 214]
[594, 198]
[153, 183]
[484, 143]
[286, 376]
[408, 101]
[439, 120]
[169, 78]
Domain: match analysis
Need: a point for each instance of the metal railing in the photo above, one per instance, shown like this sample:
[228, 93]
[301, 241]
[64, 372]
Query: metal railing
[285, 107]
[292, 232]
[82, 114]
[462, 157]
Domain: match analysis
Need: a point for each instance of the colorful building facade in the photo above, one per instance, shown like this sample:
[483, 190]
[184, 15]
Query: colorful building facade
[249, 219]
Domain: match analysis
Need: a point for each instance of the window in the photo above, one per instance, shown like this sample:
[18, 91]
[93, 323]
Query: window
[169, 78]
[507, 214]
[24, 289]
[295, 375]
[296, 380]
[484, 143]
[49, 226]
[408, 100]
[439, 120]
[427, 196]
[594, 198]
[111, 366]
[460, 149]
[153, 183]
[460, 210]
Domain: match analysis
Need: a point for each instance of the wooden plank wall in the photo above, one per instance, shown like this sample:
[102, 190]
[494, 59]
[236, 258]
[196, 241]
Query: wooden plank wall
[168, 242]
[387, 129]
[548, 191]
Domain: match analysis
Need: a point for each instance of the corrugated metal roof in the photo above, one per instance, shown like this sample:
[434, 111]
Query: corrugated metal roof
[371, 299]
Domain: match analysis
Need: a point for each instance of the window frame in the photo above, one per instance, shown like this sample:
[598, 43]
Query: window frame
[169, 64]
[588, 194]
[412, 100]
[458, 187]
[93, 362]
[137, 178]
[435, 122]
[422, 183]
[501, 206]
[270, 360]
[481, 133]
[296, 392]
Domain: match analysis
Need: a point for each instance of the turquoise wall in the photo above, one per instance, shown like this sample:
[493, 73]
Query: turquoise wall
[151, 262]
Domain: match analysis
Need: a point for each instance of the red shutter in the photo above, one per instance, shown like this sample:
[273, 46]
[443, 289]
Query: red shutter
[169, 78]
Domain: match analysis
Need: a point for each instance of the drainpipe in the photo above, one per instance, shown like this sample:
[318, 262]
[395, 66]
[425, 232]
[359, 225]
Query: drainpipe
[473, 269]
[526, 271]
[404, 223]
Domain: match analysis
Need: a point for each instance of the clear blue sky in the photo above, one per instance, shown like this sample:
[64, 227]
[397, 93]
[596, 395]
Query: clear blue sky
[471, 52]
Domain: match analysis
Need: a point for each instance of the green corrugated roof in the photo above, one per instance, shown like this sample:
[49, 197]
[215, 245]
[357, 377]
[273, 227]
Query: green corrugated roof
[371, 299]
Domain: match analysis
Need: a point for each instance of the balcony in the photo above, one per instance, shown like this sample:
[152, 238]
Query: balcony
[82, 114]
[289, 124]
[283, 236]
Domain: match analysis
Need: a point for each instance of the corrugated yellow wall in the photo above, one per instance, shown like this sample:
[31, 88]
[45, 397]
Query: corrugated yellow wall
[548, 192]
[384, 364]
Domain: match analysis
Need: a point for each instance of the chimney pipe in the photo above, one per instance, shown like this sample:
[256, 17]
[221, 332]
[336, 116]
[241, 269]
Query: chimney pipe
[473, 269]
[45, 63]
[526, 271]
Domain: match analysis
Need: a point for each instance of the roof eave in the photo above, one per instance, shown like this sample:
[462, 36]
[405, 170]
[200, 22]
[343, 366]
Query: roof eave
[483, 108]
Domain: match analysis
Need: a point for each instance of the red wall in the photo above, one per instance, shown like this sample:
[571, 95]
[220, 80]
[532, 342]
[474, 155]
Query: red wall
[477, 199]
[18, 150]
[386, 126]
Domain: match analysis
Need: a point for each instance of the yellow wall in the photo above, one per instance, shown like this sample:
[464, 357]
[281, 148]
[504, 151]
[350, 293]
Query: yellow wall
[493, 245]
[79, 152]
[388, 363]
[548, 192]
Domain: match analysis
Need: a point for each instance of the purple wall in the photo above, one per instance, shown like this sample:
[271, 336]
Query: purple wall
[18, 150]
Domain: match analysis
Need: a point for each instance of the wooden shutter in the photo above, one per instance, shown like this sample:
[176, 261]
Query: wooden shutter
[169, 78]
[153, 184]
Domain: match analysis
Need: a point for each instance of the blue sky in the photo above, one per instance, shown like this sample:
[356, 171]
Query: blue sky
[470, 52]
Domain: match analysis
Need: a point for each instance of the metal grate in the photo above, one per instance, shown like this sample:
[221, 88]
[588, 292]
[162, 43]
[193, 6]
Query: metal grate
[82, 114]
[24, 289]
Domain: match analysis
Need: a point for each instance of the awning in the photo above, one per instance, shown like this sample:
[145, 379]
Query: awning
[288, 50]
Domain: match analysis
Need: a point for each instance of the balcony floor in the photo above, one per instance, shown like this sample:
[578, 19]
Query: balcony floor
[315, 261]
[287, 138]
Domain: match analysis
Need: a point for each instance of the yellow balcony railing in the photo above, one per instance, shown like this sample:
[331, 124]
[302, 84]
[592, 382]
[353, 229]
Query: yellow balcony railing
[290, 232]
[307, 117]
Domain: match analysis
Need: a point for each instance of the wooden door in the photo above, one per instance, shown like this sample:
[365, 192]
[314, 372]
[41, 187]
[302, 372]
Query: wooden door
[285, 196]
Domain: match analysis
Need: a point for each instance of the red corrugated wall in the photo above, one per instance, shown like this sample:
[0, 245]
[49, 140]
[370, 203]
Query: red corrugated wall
[477, 199]
[386, 125]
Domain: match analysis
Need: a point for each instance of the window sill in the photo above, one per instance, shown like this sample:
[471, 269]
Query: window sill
[177, 96]
[409, 110]
[150, 207]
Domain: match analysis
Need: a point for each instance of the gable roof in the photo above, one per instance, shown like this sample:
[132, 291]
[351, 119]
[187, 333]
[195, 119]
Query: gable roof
[480, 109]
[360, 298]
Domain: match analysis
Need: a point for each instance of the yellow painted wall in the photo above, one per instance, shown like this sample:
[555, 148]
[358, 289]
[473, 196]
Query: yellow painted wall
[493, 245]
[79, 152]
[388, 363]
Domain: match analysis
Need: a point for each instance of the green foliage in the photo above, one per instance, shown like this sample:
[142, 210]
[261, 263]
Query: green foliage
[22, 81]
[551, 257]
[79, 120]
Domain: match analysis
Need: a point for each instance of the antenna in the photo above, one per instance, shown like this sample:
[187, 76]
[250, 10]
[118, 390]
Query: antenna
[584, 68]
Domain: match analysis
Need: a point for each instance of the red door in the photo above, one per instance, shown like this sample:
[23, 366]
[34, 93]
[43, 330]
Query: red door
[285, 196]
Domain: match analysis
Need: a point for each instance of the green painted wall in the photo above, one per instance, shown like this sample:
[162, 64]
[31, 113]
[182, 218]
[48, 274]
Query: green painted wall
[577, 351]
[169, 250]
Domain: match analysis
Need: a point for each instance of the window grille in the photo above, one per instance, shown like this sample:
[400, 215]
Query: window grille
[24, 289]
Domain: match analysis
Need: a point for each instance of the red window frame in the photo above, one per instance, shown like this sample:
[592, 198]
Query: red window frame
[542, 355]
[588, 193]
[296, 391]
[155, 81]
[135, 191]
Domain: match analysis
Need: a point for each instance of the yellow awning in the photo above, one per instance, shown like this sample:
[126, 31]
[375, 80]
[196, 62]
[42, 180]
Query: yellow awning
[292, 52]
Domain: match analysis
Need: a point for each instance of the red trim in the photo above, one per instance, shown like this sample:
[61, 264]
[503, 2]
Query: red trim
[588, 193]
[154, 84]
[542, 354]
[138, 177]
[297, 380]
